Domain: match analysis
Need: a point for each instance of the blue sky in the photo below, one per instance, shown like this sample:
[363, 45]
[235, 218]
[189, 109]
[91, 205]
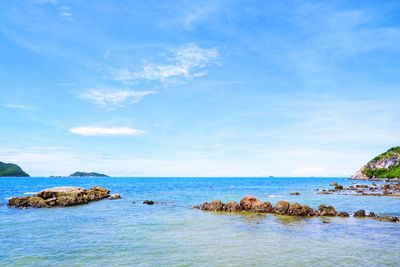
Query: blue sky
[198, 88]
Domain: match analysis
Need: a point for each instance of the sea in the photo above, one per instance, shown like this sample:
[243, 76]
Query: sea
[125, 232]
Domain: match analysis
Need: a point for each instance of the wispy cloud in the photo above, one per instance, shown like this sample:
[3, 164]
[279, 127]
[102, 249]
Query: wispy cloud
[65, 11]
[45, 2]
[106, 131]
[187, 61]
[17, 106]
[114, 98]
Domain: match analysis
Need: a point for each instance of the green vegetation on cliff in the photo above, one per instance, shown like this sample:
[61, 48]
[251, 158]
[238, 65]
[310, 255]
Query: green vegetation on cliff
[87, 174]
[11, 170]
[385, 165]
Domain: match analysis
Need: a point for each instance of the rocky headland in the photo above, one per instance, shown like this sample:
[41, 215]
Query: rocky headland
[11, 170]
[63, 196]
[385, 166]
[254, 205]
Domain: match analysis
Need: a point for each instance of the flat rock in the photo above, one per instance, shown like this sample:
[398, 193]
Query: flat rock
[60, 197]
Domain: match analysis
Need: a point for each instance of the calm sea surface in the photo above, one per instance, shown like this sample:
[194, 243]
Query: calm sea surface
[127, 233]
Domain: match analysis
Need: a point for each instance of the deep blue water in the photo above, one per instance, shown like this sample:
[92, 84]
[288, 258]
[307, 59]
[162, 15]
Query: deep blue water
[127, 233]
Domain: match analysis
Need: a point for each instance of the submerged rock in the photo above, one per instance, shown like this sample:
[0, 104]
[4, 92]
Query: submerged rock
[294, 193]
[148, 202]
[60, 197]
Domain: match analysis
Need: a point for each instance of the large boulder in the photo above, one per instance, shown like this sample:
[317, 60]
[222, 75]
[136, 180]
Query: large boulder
[296, 209]
[326, 211]
[60, 197]
[249, 203]
[282, 207]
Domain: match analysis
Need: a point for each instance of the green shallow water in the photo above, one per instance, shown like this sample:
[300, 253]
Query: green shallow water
[127, 233]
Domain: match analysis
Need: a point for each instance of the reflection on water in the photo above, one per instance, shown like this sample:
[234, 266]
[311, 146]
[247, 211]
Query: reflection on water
[126, 232]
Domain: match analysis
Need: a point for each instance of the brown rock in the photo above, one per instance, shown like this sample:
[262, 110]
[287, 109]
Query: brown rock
[359, 214]
[326, 211]
[249, 203]
[296, 209]
[60, 197]
[232, 207]
[339, 187]
[343, 214]
[148, 202]
[282, 207]
[295, 193]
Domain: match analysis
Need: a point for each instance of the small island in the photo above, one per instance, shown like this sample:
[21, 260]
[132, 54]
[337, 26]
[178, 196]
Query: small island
[11, 170]
[385, 166]
[87, 174]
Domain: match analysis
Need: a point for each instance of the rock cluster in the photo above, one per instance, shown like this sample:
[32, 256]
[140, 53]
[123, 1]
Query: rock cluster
[252, 204]
[363, 214]
[388, 189]
[60, 197]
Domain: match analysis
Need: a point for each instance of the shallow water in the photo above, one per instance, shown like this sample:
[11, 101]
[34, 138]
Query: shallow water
[127, 233]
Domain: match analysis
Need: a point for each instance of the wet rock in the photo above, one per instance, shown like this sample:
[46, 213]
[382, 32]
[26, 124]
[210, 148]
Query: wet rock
[60, 197]
[148, 202]
[282, 207]
[326, 211]
[334, 184]
[252, 204]
[296, 209]
[249, 203]
[387, 218]
[324, 192]
[115, 196]
[295, 193]
[232, 207]
[339, 187]
[359, 214]
[343, 214]
[362, 186]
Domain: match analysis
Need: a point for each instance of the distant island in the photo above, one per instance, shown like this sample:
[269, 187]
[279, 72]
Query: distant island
[88, 174]
[383, 166]
[11, 170]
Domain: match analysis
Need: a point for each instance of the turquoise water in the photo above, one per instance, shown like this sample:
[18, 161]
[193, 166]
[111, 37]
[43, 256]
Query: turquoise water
[127, 233]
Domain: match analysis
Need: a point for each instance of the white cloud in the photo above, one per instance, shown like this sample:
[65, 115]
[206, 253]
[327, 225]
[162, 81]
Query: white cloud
[188, 61]
[65, 14]
[111, 98]
[105, 131]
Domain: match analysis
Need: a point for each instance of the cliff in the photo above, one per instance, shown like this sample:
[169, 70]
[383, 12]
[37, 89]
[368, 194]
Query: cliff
[383, 166]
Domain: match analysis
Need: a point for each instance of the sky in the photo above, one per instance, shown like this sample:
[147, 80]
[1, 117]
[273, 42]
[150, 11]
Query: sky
[198, 88]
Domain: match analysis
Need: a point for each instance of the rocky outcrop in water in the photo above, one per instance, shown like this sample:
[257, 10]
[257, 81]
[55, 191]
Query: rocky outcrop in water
[252, 204]
[60, 197]
[388, 189]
